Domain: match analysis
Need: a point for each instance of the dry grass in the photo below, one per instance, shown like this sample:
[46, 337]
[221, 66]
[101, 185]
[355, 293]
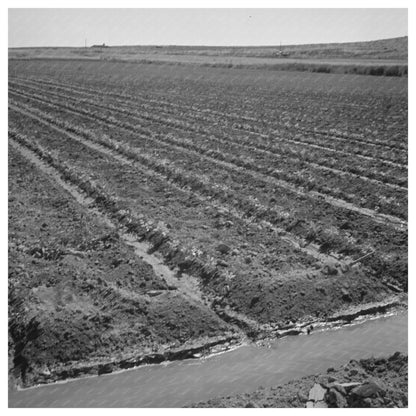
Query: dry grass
[385, 57]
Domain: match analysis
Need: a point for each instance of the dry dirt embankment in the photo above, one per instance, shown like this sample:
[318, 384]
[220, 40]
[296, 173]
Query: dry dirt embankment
[374, 382]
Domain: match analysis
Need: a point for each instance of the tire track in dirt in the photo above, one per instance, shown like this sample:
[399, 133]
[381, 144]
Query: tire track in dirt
[296, 242]
[384, 219]
[179, 126]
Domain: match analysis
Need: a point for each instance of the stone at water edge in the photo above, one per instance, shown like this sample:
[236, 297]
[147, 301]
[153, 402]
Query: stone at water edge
[317, 393]
[369, 389]
[347, 386]
[252, 404]
[302, 397]
[335, 398]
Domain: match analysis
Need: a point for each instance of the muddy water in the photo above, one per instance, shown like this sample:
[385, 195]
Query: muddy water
[242, 370]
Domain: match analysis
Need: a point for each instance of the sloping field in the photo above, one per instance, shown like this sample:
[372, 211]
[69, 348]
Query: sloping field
[283, 195]
[383, 49]
[380, 57]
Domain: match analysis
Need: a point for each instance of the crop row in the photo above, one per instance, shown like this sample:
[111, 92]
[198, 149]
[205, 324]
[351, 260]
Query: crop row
[287, 175]
[381, 267]
[391, 153]
[272, 144]
[248, 208]
[187, 260]
[130, 199]
[325, 109]
[305, 228]
[215, 116]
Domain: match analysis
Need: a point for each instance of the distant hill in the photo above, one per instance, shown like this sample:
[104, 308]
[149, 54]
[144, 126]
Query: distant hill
[395, 48]
[379, 57]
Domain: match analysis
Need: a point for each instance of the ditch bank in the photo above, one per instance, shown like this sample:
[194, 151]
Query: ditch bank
[242, 370]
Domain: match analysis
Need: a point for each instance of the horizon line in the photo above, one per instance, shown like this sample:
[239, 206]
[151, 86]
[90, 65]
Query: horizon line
[212, 46]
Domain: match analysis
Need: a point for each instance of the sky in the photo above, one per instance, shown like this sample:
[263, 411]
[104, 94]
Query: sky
[219, 27]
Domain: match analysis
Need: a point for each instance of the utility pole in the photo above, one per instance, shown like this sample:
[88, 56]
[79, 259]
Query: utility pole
[85, 43]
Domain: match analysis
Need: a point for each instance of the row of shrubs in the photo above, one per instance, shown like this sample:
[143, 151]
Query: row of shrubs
[327, 68]
[377, 70]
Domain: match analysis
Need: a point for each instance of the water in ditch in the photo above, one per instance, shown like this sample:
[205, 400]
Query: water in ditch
[242, 370]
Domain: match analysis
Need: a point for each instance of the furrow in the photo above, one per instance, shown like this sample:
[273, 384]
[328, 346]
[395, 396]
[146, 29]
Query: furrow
[181, 181]
[378, 217]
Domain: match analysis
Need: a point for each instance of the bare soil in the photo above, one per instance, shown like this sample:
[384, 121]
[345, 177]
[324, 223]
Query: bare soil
[77, 292]
[155, 211]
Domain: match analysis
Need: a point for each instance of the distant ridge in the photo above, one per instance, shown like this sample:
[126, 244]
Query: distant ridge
[392, 48]
[378, 57]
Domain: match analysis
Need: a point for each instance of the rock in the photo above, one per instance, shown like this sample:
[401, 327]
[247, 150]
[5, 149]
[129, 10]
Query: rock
[331, 379]
[302, 397]
[335, 399]
[289, 332]
[353, 372]
[345, 295]
[105, 368]
[369, 389]
[321, 404]
[395, 356]
[223, 248]
[339, 388]
[347, 386]
[367, 402]
[222, 263]
[153, 293]
[317, 393]
[345, 268]
[329, 270]
[309, 404]
[252, 404]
